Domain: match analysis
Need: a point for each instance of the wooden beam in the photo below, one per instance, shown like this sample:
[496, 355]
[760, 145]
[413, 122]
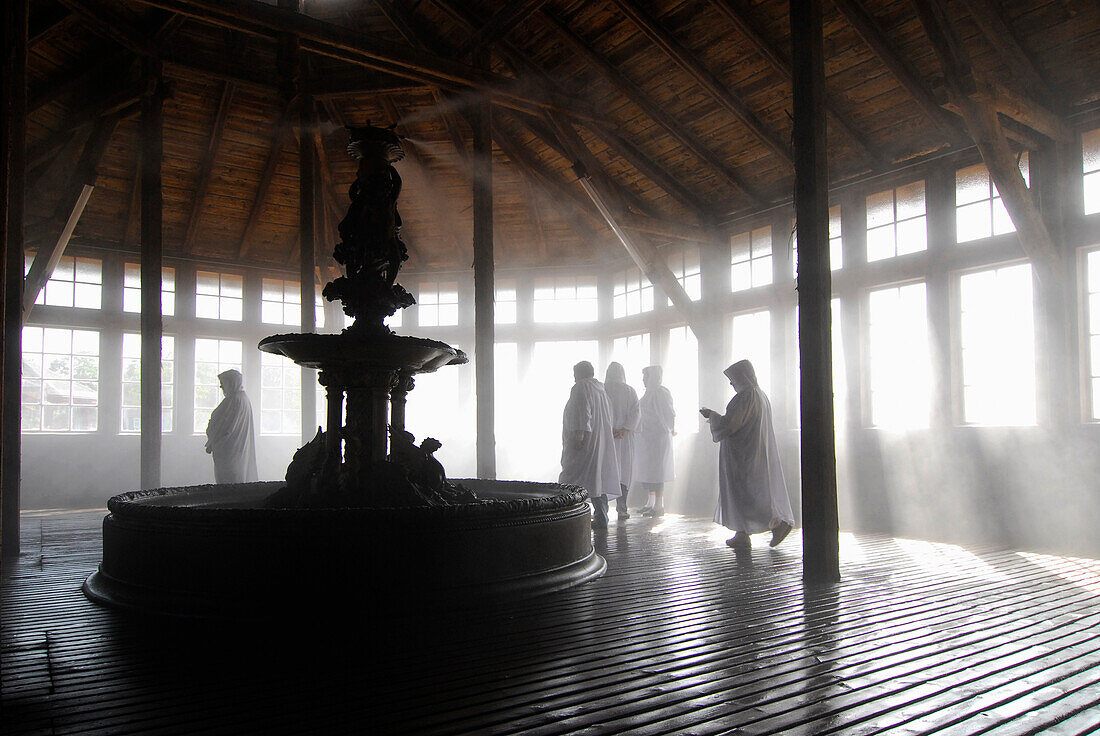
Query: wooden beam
[869, 31]
[1004, 42]
[821, 526]
[665, 228]
[47, 20]
[1027, 112]
[484, 276]
[774, 57]
[279, 140]
[86, 78]
[152, 254]
[703, 76]
[105, 21]
[213, 143]
[650, 107]
[503, 21]
[46, 261]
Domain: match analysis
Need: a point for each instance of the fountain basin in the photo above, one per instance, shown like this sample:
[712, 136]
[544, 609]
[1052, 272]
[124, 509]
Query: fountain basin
[214, 551]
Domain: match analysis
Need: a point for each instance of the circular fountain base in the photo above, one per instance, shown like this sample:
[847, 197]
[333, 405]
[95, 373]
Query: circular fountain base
[216, 551]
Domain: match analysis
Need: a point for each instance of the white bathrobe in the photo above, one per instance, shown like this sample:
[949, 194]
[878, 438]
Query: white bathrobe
[624, 415]
[653, 461]
[594, 465]
[752, 493]
[229, 435]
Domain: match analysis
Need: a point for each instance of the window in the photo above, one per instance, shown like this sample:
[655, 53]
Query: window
[510, 424]
[75, 282]
[546, 388]
[1090, 150]
[504, 308]
[394, 320]
[1092, 286]
[438, 304]
[633, 352]
[281, 302]
[219, 296]
[632, 293]
[566, 299]
[979, 211]
[998, 346]
[685, 267]
[751, 259]
[896, 222]
[281, 395]
[131, 382]
[901, 379]
[131, 289]
[211, 358]
[751, 340]
[682, 377]
[60, 380]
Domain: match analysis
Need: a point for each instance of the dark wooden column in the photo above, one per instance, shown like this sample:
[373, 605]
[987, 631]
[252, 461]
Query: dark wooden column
[820, 556]
[152, 206]
[307, 167]
[484, 294]
[13, 127]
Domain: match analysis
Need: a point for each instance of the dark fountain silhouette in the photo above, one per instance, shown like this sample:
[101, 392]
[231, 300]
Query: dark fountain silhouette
[366, 520]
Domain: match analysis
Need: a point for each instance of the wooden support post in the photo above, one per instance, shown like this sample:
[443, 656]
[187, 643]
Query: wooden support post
[152, 205]
[484, 290]
[307, 209]
[13, 129]
[821, 529]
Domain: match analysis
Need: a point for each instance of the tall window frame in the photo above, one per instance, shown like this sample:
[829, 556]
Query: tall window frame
[131, 289]
[897, 221]
[219, 296]
[60, 380]
[130, 408]
[751, 259]
[212, 357]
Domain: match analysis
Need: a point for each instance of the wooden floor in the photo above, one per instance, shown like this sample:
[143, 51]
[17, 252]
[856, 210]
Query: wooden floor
[681, 636]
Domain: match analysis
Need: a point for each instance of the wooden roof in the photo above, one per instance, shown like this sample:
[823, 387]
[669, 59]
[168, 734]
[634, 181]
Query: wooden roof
[681, 106]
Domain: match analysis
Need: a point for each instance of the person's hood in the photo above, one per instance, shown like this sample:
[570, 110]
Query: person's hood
[655, 373]
[615, 373]
[232, 380]
[742, 372]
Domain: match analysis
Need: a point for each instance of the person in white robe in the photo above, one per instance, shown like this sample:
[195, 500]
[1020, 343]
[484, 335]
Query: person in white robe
[653, 461]
[588, 456]
[752, 493]
[624, 423]
[229, 434]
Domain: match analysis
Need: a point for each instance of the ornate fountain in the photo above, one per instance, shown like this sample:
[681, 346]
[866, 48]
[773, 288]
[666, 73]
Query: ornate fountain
[366, 519]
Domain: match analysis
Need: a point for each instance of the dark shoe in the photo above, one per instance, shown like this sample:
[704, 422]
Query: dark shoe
[780, 533]
[653, 513]
[623, 514]
[599, 525]
[739, 541]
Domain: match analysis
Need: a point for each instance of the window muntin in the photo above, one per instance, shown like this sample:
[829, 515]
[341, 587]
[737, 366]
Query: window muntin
[281, 302]
[751, 259]
[75, 282]
[505, 303]
[979, 210]
[60, 385]
[1090, 155]
[896, 222]
[751, 339]
[566, 299]
[1092, 318]
[997, 341]
[684, 265]
[681, 375]
[131, 289]
[631, 293]
[280, 396]
[633, 353]
[900, 362]
[211, 358]
[219, 296]
[438, 303]
[130, 415]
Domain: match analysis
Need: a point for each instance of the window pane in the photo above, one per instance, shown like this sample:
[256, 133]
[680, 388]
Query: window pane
[900, 363]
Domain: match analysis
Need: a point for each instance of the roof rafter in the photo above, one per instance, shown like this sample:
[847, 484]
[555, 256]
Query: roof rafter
[503, 21]
[221, 115]
[281, 136]
[1004, 42]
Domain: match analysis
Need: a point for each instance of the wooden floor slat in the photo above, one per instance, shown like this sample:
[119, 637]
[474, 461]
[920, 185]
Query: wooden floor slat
[681, 636]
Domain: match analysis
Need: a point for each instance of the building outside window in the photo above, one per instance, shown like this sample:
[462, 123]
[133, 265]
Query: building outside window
[566, 299]
[751, 259]
[438, 303]
[219, 296]
[1092, 319]
[900, 363]
[896, 222]
[997, 340]
[684, 265]
[75, 282]
[130, 419]
[979, 210]
[280, 395]
[211, 358]
[631, 293]
[131, 289]
[60, 385]
[1090, 154]
[504, 307]
[751, 339]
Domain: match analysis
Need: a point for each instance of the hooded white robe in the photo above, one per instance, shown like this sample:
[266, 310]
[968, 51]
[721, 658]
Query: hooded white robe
[752, 493]
[229, 435]
[653, 461]
[594, 465]
[624, 415]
